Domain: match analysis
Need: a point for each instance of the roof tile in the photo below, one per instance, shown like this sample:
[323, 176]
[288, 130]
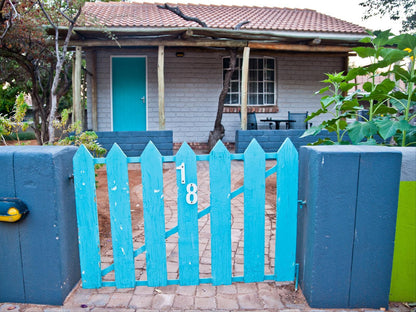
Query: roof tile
[134, 14]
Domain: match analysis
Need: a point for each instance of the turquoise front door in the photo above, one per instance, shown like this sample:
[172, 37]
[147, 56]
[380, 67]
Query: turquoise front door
[129, 93]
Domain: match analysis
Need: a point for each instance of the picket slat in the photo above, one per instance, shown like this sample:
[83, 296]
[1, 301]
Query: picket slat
[254, 212]
[87, 218]
[187, 216]
[286, 211]
[154, 216]
[220, 186]
[120, 215]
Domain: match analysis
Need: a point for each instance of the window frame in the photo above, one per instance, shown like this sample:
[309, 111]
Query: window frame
[238, 70]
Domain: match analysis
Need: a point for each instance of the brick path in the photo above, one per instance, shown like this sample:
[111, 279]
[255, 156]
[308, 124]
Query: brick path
[266, 296]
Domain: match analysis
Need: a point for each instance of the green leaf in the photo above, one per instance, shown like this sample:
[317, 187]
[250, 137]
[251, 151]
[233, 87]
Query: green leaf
[360, 130]
[323, 90]
[368, 142]
[403, 125]
[368, 86]
[311, 131]
[401, 74]
[345, 86]
[327, 100]
[382, 109]
[382, 37]
[317, 113]
[325, 141]
[386, 127]
[392, 55]
[404, 41]
[365, 51]
[351, 105]
[400, 105]
[354, 72]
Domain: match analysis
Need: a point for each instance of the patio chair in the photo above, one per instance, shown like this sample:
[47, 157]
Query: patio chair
[299, 121]
[251, 121]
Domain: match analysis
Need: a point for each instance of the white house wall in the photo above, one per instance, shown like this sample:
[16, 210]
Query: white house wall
[193, 84]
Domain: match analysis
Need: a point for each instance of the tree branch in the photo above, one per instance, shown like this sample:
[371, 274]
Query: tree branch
[239, 25]
[178, 12]
[47, 15]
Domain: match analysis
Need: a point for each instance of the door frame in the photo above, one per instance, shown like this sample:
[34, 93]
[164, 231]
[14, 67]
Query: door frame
[111, 84]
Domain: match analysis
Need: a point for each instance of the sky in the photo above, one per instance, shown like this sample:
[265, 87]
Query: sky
[348, 10]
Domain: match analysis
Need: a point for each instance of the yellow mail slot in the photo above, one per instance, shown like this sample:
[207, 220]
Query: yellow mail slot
[12, 209]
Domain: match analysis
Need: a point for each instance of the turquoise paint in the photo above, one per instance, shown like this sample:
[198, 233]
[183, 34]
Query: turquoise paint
[120, 215]
[187, 217]
[87, 218]
[254, 212]
[286, 211]
[129, 87]
[220, 186]
[154, 216]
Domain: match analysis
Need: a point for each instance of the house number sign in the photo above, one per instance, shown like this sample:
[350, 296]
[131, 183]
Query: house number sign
[191, 188]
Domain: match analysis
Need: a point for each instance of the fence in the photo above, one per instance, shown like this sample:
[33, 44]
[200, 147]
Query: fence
[151, 162]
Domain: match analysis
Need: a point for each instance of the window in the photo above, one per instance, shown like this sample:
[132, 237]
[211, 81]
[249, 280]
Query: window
[261, 82]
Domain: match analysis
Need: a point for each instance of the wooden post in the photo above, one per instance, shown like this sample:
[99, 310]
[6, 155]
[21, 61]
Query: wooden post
[76, 85]
[244, 85]
[161, 86]
[94, 98]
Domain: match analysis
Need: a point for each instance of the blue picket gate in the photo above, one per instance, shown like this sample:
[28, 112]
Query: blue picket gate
[151, 161]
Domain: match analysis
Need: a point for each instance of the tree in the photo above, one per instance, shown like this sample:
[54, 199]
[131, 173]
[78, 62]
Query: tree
[404, 10]
[26, 46]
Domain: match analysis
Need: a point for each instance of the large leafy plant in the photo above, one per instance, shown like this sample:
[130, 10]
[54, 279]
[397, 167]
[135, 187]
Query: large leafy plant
[390, 105]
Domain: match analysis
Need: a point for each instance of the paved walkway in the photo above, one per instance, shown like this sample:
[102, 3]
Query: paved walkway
[266, 296]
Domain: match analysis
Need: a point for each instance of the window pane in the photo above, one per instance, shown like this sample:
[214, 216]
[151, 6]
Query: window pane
[270, 63]
[260, 99]
[260, 76]
[252, 75]
[226, 62]
[252, 87]
[234, 86]
[270, 99]
[235, 75]
[261, 87]
[234, 99]
[270, 75]
[252, 99]
[260, 65]
[270, 87]
[252, 64]
[227, 99]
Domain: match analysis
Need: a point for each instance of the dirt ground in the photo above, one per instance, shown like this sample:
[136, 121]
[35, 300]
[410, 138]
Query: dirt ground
[136, 202]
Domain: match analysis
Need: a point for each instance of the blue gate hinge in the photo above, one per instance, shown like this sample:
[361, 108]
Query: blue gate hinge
[301, 203]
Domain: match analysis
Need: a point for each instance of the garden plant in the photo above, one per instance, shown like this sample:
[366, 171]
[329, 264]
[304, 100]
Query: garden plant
[391, 102]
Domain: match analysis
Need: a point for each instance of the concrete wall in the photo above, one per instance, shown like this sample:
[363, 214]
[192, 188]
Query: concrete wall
[39, 254]
[346, 229]
[193, 84]
[134, 142]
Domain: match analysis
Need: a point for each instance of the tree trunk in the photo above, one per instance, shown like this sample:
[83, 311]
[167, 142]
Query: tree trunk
[219, 131]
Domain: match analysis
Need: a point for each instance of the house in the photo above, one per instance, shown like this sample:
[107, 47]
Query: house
[150, 69]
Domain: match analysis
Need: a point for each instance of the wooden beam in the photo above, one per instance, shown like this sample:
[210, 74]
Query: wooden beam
[166, 43]
[244, 87]
[161, 86]
[76, 87]
[94, 97]
[296, 47]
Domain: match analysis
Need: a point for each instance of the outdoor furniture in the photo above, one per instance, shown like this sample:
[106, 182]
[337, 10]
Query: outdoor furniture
[297, 121]
[277, 122]
[251, 121]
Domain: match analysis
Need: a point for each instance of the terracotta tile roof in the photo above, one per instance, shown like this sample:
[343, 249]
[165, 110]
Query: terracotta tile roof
[134, 14]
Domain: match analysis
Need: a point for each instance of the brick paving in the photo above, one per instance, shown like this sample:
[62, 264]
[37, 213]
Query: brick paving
[265, 296]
